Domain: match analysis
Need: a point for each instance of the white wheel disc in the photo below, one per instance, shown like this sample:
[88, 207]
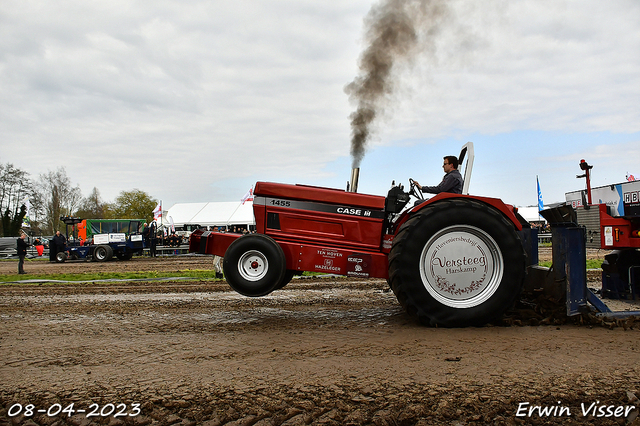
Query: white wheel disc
[461, 266]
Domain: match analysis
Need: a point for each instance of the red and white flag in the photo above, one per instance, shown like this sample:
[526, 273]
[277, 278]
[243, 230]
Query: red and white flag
[157, 212]
[630, 178]
[248, 196]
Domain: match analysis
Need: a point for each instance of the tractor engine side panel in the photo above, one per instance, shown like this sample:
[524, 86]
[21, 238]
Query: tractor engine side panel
[319, 216]
[318, 223]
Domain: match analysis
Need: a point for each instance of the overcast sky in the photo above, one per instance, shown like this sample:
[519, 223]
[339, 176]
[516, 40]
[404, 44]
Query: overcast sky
[195, 101]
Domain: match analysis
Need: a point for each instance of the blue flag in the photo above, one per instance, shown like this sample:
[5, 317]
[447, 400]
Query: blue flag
[540, 204]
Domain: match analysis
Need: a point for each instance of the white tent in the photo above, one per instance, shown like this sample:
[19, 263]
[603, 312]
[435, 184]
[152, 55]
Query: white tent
[210, 214]
[530, 214]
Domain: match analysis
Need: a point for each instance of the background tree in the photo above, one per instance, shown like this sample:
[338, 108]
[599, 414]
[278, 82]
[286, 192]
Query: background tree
[134, 204]
[92, 207]
[15, 188]
[12, 223]
[6, 223]
[36, 213]
[58, 197]
[53, 195]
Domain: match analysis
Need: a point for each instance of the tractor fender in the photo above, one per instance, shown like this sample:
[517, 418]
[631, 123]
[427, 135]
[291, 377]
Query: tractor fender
[507, 210]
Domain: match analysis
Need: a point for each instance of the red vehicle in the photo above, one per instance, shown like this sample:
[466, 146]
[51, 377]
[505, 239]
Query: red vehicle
[453, 260]
[611, 217]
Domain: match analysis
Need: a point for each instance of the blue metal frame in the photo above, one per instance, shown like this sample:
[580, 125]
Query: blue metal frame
[81, 252]
[570, 263]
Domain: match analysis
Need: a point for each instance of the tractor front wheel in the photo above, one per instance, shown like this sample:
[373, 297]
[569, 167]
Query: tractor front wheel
[457, 263]
[254, 265]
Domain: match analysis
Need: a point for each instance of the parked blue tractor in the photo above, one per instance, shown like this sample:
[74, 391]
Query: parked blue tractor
[102, 247]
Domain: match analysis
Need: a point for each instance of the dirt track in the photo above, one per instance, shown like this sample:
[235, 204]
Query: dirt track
[324, 351]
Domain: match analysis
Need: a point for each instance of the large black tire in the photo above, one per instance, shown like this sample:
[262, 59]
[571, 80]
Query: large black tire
[457, 263]
[254, 265]
[126, 255]
[627, 259]
[103, 253]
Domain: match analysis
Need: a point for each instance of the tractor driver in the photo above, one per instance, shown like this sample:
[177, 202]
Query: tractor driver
[452, 181]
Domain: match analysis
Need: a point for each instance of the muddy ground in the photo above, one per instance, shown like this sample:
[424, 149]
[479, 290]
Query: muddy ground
[327, 351]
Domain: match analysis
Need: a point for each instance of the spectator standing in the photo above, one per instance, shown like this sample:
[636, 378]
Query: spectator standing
[22, 252]
[52, 249]
[61, 243]
[153, 238]
[145, 234]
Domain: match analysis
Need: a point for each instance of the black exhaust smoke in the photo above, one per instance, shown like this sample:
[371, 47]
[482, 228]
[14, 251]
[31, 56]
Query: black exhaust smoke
[393, 31]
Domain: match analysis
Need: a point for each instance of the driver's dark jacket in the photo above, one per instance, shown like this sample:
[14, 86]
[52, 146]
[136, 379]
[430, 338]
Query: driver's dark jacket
[452, 182]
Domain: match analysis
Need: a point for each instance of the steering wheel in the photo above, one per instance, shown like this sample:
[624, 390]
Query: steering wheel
[413, 190]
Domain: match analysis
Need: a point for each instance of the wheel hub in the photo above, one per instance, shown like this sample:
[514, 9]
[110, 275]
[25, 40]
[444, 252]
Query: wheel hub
[253, 265]
[461, 266]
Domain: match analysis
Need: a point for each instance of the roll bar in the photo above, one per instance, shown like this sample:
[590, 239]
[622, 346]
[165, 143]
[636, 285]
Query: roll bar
[467, 151]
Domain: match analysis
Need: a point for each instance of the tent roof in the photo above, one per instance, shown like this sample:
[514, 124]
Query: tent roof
[530, 213]
[210, 214]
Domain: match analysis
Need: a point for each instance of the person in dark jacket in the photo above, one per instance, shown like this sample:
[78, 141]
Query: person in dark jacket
[61, 243]
[52, 249]
[452, 181]
[22, 252]
[145, 234]
[153, 238]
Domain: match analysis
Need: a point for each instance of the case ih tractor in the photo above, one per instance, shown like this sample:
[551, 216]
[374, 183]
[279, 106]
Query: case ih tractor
[452, 260]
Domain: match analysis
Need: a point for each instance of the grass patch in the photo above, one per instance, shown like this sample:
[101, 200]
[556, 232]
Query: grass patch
[591, 264]
[200, 274]
[195, 273]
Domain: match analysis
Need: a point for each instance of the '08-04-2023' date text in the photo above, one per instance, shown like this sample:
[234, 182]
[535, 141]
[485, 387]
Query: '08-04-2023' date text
[94, 410]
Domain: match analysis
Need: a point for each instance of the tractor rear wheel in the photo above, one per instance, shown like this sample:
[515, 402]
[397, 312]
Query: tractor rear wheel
[457, 263]
[103, 253]
[254, 265]
[61, 257]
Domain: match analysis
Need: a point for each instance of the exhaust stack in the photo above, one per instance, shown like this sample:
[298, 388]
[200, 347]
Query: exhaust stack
[355, 174]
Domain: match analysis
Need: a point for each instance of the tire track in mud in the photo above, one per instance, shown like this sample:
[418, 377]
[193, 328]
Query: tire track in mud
[317, 352]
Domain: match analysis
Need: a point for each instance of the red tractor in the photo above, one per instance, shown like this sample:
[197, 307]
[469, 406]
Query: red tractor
[452, 260]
